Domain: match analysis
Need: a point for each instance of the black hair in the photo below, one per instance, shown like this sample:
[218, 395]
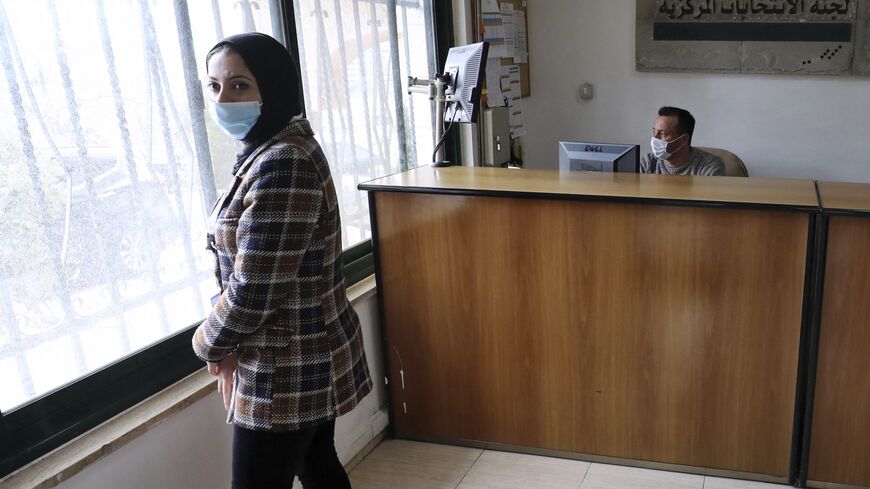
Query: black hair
[278, 78]
[685, 121]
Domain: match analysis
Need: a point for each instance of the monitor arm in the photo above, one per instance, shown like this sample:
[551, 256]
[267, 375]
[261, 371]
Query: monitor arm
[437, 90]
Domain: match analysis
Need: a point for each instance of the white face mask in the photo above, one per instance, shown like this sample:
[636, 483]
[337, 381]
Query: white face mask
[235, 118]
[660, 148]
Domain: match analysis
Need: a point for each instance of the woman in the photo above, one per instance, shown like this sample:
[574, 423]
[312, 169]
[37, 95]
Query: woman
[282, 339]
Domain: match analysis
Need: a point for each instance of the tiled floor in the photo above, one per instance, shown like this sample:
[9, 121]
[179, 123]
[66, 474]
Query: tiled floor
[400, 464]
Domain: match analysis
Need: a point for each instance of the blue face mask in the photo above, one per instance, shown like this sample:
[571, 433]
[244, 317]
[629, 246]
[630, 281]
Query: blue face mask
[235, 118]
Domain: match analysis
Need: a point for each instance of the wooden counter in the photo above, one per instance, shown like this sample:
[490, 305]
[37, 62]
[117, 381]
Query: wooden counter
[734, 191]
[840, 443]
[845, 198]
[642, 317]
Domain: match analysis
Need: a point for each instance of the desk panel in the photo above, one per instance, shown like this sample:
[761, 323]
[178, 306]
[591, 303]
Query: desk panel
[840, 443]
[657, 333]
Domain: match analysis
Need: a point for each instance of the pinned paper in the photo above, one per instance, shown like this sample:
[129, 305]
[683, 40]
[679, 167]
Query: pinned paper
[510, 85]
[494, 95]
[493, 33]
[507, 14]
[489, 6]
[521, 48]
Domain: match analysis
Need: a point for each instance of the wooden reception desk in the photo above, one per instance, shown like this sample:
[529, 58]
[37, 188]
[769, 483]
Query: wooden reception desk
[840, 422]
[654, 320]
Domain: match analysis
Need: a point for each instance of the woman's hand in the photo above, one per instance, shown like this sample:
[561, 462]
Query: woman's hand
[224, 371]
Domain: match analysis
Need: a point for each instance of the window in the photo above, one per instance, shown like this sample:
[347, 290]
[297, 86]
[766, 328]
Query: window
[356, 56]
[106, 184]
[110, 166]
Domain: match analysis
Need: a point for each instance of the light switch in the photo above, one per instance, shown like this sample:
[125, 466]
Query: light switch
[587, 91]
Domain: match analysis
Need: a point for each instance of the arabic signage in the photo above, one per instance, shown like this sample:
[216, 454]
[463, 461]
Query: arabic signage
[754, 36]
[796, 10]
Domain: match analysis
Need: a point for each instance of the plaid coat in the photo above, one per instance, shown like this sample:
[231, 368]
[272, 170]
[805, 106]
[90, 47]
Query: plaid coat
[283, 307]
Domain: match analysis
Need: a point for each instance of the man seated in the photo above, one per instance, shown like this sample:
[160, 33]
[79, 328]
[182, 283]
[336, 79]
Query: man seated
[672, 151]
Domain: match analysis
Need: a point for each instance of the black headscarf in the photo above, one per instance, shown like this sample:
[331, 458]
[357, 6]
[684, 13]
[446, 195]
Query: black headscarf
[278, 79]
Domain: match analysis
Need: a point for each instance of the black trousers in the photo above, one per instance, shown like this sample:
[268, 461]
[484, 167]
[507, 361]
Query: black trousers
[267, 460]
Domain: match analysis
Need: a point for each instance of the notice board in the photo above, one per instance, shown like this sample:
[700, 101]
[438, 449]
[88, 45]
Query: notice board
[518, 6]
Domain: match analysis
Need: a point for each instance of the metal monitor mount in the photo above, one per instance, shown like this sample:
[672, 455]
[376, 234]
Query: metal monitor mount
[441, 91]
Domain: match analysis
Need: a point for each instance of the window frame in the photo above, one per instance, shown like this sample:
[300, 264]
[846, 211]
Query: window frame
[444, 40]
[49, 421]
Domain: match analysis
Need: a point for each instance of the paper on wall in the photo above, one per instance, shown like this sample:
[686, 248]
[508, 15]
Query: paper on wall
[518, 131]
[507, 14]
[506, 84]
[510, 84]
[493, 33]
[521, 48]
[516, 119]
[489, 6]
[511, 73]
[494, 94]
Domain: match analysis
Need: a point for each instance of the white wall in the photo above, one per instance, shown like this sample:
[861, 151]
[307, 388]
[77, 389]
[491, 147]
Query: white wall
[781, 126]
[191, 449]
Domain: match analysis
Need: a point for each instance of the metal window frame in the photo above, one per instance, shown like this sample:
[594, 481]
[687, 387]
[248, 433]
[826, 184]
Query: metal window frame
[443, 20]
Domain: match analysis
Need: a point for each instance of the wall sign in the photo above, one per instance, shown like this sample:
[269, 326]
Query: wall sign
[754, 36]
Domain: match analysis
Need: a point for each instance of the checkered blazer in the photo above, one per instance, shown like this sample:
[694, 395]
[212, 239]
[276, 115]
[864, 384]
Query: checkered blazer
[283, 307]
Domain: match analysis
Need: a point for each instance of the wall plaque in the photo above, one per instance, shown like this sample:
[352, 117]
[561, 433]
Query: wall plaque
[754, 36]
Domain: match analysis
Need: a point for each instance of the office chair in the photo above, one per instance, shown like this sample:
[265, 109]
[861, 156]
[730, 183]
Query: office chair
[734, 166]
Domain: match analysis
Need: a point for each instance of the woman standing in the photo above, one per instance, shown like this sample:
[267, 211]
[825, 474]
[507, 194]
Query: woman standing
[282, 339]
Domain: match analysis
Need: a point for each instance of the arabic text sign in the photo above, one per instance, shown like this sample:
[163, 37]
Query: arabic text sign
[769, 10]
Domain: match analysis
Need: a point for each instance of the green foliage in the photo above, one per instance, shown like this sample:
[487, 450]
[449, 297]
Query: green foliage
[25, 254]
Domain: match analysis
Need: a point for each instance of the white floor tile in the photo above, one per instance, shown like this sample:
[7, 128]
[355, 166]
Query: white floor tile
[601, 476]
[719, 483]
[401, 464]
[503, 470]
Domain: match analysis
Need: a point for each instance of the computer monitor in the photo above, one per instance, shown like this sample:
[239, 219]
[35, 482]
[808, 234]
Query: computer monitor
[575, 156]
[464, 65]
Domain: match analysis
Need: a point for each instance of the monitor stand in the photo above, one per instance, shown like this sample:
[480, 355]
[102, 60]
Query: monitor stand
[437, 90]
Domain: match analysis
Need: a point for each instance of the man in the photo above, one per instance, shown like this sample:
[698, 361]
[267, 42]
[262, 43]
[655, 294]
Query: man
[672, 151]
